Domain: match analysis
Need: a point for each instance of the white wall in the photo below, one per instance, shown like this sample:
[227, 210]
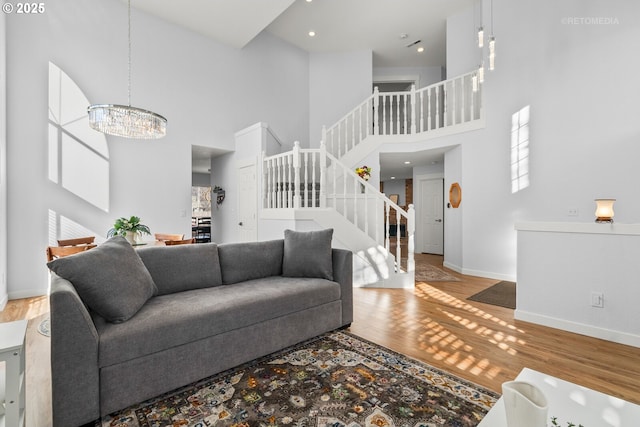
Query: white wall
[206, 90]
[577, 79]
[396, 186]
[3, 164]
[338, 82]
[426, 75]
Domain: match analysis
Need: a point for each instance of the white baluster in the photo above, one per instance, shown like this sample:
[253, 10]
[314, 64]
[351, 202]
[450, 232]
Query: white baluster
[398, 241]
[453, 102]
[314, 202]
[278, 181]
[366, 211]
[353, 130]
[387, 244]
[411, 229]
[396, 99]
[335, 185]
[463, 106]
[438, 105]
[323, 175]
[405, 113]
[305, 181]
[421, 127]
[367, 123]
[376, 111]
[385, 125]
[324, 135]
[413, 109]
[356, 201]
[289, 180]
[429, 109]
[344, 191]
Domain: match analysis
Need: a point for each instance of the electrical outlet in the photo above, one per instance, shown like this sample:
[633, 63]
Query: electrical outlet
[597, 299]
[572, 212]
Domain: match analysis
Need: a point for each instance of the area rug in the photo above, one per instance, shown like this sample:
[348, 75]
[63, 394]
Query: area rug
[502, 294]
[429, 273]
[334, 380]
[44, 327]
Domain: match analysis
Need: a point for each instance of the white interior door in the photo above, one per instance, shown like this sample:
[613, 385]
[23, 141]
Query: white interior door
[431, 216]
[247, 203]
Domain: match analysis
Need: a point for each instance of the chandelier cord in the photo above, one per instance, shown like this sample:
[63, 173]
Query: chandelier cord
[129, 36]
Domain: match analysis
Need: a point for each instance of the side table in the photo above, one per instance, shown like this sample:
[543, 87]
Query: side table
[12, 349]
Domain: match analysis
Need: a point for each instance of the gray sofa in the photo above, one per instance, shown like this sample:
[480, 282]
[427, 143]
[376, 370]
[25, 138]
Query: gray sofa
[128, 325]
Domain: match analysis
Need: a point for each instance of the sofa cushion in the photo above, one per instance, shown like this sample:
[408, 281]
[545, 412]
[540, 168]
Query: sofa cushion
[308, 254]
[111, 279]
[169, 321]
[182, 267]
[252, 260]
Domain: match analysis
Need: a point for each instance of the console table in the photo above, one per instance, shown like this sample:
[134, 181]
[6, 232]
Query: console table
[12, 349]
[571, 403]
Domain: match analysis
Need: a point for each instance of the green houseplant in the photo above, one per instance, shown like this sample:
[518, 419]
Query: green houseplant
[130, 228]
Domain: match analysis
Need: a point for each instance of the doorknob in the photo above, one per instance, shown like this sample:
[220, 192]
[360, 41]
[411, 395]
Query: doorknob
[438, 220]
[240, 223]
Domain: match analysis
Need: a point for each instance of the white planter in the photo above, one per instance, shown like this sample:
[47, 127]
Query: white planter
[132, 237]
[525, 404]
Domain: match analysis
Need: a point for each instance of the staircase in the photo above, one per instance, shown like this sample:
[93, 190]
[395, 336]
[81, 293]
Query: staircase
[320, 184]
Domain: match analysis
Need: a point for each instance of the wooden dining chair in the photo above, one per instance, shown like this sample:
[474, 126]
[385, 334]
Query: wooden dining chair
[77, 241]
[54, 252]
[179, 242]
[163, 237]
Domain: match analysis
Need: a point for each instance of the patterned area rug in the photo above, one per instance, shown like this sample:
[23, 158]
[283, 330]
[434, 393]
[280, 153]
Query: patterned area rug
[429, 273]
[334, 380]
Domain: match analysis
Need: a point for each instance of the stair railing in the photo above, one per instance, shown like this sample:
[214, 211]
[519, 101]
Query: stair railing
[443, 104]
[298, 179]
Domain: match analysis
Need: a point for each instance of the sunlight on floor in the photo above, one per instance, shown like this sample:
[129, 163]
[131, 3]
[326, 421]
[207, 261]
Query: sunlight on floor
[446, 346]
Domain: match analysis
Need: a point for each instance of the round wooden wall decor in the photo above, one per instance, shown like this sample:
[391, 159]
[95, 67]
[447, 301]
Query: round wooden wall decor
[455, 195]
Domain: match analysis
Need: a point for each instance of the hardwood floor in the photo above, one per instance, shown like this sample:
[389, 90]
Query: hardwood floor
[483, 343]
[434, 323]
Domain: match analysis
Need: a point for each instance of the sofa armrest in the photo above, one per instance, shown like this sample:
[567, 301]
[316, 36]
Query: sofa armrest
[75, 382]
[343, 274]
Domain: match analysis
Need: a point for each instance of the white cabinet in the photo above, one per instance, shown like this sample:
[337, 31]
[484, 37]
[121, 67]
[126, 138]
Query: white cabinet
[12, 349]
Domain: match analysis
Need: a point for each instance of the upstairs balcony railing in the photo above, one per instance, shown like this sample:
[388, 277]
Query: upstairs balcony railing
[444, 104]
[316, 179]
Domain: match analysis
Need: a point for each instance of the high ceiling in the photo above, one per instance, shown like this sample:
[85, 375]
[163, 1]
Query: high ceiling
[386, 27]
[340, 25]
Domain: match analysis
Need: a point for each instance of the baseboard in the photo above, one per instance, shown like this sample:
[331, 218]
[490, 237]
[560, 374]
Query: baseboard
[27, 293]
[579, 328]
[478, 273]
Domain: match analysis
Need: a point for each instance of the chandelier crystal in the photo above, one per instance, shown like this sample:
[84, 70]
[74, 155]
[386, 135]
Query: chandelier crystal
[127, 121]
[124, 120]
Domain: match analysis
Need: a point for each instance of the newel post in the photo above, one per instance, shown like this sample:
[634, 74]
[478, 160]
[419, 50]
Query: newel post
[323, 174]
[411, 229]
[376, 116]
[413, 109]
[296, 175]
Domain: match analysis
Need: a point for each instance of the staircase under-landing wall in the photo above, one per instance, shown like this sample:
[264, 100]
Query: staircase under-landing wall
[321, 185]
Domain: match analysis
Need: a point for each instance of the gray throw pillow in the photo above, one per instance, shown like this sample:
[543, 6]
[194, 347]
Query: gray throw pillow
[182, 267]
[308, 254]
[111, 279]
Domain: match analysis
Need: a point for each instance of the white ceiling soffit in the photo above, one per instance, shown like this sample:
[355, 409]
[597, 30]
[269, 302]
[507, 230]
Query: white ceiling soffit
[231, 22]
[347, 25]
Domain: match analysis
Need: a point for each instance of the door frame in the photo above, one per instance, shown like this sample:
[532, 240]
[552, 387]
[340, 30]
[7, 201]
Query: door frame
[417, 200]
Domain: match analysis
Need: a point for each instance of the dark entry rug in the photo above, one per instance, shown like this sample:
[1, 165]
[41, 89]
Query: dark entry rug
[334, 380]
[502, 294]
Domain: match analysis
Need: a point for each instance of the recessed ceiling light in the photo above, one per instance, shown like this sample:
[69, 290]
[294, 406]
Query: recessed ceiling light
[420, 49]
[309, 1]
[407, 162]
[404, 36]
[312, 33]
[393, 177]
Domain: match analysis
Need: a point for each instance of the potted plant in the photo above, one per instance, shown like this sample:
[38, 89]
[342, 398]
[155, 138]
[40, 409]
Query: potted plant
[130, 229]
[363, 172]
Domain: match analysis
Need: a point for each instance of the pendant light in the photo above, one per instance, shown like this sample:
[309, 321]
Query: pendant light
[124, 120]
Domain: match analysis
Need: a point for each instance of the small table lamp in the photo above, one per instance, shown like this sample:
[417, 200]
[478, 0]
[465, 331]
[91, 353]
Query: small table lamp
[604, 210]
